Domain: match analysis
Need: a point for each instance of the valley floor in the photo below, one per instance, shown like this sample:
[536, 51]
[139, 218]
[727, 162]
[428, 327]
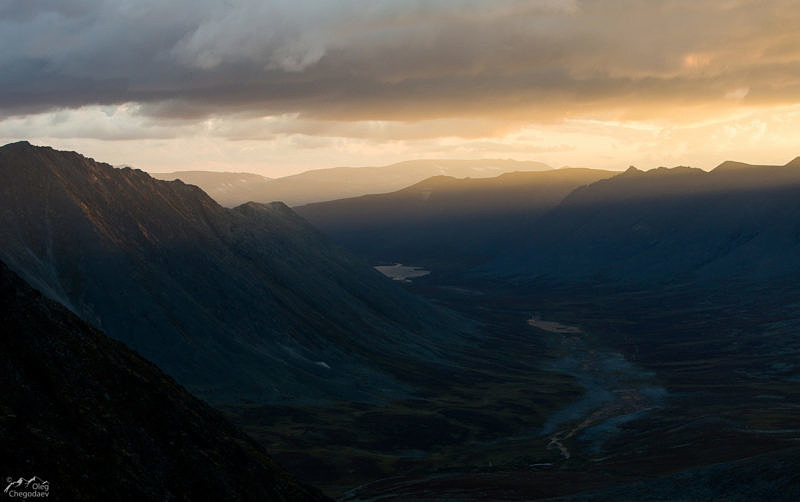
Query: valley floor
[574, 389]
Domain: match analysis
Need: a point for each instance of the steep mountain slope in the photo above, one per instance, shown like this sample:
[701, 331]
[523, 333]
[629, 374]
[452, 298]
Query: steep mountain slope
[319, 185]
[444, 221]
[670, 224]
[98, 422]
[243, 304]
[228, 189]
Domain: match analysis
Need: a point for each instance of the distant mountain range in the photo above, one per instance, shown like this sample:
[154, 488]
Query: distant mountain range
[665, 225]
[232, 189]
[738, 220]
[249, 303]
[105, 424]
[228, 189]
[444, 221]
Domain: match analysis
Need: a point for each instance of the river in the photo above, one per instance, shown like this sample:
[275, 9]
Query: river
[615, 390]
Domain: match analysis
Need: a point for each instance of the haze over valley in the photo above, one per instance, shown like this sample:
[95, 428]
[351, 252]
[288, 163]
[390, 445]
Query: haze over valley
[319, 185]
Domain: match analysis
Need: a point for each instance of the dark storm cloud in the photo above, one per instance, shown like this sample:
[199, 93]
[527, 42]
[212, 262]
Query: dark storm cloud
[398, 60]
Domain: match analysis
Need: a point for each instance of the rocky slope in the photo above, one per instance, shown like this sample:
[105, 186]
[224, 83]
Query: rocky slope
[98, 422]
[237, 304]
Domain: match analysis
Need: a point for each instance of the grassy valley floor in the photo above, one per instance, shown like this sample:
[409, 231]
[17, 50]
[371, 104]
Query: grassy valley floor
[602, 389]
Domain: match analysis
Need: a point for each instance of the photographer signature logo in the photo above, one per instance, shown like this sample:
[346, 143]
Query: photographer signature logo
[34, 487]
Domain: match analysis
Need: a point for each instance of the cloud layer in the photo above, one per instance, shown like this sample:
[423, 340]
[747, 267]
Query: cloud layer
[404, 60]
[388, 70]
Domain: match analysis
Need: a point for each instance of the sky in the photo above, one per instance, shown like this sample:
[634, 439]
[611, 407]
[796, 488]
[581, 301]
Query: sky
[277, 87]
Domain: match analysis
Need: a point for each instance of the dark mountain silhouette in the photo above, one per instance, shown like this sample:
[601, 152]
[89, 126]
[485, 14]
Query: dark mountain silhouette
[101, 423]
[737, 221]
[339, 182]
[249, 303]
[445, 221]
[228, 189]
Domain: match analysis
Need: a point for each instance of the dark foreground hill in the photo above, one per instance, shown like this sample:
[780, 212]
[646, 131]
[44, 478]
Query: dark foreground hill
[249, 303]
[98, 422]
[444, 221]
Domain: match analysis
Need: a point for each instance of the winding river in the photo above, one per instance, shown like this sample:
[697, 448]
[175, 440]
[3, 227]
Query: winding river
[615, 390]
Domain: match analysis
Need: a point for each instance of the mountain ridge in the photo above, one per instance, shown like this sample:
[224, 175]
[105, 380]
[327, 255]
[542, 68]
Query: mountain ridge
[332, 183]
[443, 217]
[228, 189]
[99, 422]
[235, 303]
[669, 224]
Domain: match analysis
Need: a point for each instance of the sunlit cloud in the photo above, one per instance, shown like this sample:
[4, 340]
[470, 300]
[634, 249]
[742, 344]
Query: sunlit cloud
[695, 61]
[313, 84]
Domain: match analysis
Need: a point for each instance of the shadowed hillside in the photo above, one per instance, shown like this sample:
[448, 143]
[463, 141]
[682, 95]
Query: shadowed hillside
[250, 303]
[669, 224]
[443, 221]
[98, 422]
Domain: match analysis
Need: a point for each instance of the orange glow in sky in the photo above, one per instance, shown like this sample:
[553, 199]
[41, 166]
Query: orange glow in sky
[276, 88]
